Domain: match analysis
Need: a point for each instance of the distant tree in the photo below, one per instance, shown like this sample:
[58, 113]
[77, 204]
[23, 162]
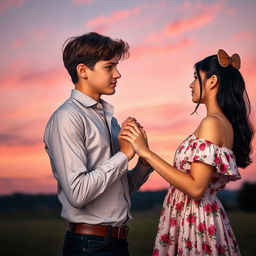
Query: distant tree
[246, 197]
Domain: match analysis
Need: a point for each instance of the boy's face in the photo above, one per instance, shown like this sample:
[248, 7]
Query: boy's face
[102, 80]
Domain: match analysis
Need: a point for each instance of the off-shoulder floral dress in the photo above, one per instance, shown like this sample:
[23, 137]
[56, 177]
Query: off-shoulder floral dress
[189, 227]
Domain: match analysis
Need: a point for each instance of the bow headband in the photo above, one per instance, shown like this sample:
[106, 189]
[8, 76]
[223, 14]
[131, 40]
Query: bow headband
[225, 60]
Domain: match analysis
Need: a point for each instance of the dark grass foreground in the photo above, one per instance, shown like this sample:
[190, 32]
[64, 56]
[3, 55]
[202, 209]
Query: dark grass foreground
[43, 235]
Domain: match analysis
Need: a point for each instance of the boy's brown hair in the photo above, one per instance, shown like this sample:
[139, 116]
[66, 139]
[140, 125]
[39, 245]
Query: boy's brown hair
[89, 49]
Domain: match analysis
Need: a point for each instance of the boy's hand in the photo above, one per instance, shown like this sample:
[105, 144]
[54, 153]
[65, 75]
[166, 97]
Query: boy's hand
[126, 148]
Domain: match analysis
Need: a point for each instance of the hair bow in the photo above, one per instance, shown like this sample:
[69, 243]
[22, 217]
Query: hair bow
[225, 60]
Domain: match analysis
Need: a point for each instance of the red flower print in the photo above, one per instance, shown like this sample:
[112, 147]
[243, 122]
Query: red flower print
[217, 160]
[155, 252]
[221, 249]
[194, 145]
[208, 208]
[202, 146]
[173, 222]
[227, 156]
[188, 244]
[195, 158]
[223, 168]
[165, 238]
[201, 227]
[230, 234]
[215, 206]
[222, 186]
[212, 191]
[215, 179]
[191, 219]
[180, 252]
[208, 142]
[211, 230]
[179, 206]
[183, 162]
[206, 248]
[222, 214]
[181, 147]
[188, 171]
[162, 211]
[198, 203]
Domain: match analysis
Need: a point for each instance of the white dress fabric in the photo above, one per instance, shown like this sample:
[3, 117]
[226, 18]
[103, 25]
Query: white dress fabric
[189, 227]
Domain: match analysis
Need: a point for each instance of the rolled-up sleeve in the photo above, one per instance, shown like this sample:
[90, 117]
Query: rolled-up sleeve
[65, 144]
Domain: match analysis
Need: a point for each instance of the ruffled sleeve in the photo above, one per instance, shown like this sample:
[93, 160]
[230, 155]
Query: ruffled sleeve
[222, 158]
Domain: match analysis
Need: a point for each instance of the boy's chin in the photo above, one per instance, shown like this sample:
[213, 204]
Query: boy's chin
[110, 92]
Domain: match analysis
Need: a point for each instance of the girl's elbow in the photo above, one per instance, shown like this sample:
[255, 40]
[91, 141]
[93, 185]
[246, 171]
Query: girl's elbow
[197, 194]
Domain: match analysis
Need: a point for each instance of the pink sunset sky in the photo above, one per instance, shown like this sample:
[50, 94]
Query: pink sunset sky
[166, 39]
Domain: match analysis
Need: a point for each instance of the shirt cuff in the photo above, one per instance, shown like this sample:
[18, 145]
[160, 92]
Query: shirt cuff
[120, 160]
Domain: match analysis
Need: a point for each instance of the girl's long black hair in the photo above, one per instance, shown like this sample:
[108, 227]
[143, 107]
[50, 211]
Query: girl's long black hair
[234, 102]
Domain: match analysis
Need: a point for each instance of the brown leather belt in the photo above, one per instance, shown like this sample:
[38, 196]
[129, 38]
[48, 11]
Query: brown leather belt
[99, 230]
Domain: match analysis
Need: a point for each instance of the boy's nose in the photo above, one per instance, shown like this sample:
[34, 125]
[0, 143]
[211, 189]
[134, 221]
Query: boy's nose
[116, 74]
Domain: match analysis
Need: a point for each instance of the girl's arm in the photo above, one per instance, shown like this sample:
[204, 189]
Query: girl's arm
[193, 184]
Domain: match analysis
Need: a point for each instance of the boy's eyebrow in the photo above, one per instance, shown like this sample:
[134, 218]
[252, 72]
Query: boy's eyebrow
[112, 63]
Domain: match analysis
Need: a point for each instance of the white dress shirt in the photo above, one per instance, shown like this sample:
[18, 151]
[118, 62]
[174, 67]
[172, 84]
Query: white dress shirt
[94, 185]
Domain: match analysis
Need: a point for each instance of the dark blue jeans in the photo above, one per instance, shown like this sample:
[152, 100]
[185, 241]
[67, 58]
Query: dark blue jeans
[87, 245]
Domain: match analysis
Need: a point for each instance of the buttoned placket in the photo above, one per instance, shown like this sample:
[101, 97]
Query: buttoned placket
[99, 110]
[101, 114]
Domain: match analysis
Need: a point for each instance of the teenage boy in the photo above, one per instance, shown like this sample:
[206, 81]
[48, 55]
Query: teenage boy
[88, 160]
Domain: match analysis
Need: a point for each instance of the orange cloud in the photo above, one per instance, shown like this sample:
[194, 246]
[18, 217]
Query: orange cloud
[114, 17]
[7, 4]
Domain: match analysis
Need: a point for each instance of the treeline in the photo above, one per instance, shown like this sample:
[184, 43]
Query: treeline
[148, 200]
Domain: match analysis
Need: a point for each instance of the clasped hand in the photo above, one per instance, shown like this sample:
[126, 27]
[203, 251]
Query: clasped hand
[134, 133]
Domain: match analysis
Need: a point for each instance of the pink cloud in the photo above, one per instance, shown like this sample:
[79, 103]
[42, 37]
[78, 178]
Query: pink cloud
[113, 18]
[231, 11]
[82, 1]
[205, 15]
[164, 49]
[18, 43]
[35, 34]
[32, 77]
[246, 35]
[7, 4]
[186, 5]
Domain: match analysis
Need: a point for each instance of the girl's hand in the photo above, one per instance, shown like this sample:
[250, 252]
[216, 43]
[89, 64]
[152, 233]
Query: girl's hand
[137, 137]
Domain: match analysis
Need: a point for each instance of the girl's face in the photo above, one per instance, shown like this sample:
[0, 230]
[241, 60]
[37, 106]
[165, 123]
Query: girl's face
[195, 87]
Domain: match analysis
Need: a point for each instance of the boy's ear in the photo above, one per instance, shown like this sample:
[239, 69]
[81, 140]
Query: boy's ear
[81, 70]
[213, 81]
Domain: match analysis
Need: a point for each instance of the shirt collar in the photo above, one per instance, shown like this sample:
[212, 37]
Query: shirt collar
[87, 101]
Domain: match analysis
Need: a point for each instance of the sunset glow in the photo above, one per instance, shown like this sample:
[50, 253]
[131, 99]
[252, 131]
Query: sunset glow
[166, 38]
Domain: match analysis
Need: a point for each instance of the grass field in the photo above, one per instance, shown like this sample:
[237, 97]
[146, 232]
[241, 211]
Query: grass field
[43, 236]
